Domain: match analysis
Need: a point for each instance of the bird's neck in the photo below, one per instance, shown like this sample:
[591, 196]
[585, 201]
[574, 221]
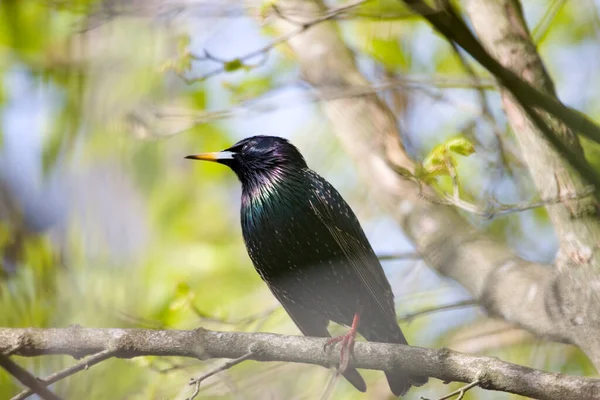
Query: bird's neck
[264, 187]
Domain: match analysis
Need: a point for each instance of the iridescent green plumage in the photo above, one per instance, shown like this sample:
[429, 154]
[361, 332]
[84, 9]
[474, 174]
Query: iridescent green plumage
[308, 246]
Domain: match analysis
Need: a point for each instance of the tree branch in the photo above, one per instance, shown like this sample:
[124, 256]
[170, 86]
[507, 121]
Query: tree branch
[496, 209]
[226, 365]
[430, 310]
[25, 377]
[576, 222]
[444, 364]
[460, 392]
[510, 42]
[229, 65]
[85, 364]
[456, 30]
[528, 294]
[448, 23]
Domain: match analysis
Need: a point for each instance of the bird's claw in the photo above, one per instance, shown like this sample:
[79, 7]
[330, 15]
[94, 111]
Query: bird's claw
[346, 347]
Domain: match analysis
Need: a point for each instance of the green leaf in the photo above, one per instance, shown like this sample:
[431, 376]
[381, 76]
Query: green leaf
[265, 8]
[52, 149]
[182, 289]
[436, 170]
[183, 64]
[405, 173]
[249, 88]
[460, 145]
[5, 235]
[426, 175]
[233, 65]
[388, 52]
[183, 43]
[436, 158]
[198, 99]
[436, 163]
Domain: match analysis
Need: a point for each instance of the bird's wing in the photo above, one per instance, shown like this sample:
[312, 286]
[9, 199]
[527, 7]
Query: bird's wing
[315, 325]
[309, 323]
[345, 228]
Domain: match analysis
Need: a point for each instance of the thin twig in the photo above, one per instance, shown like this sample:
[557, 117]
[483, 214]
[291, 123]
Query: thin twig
[543, 26]
[261, 105]
[454, 177]
[261, 316]
[226, 365]
[276, 42]
[485, 110]
[497, 209]
[26, 378]
[196, 391]
[595, 18]
[431, 310]
[202, 10]
[411, 255]
[140, 322]
[231, 385]
[85, 364]
[331, 384]
[461, 392]
[450, 25]
[172, 367]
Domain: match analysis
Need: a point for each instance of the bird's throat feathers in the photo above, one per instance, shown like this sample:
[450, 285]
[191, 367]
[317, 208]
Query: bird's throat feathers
[268, 187]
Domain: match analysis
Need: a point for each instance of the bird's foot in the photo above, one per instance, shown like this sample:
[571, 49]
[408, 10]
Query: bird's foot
[346, 344]
[346, 347]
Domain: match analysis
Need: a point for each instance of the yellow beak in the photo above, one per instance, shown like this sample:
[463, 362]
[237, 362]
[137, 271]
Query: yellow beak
[215, 157]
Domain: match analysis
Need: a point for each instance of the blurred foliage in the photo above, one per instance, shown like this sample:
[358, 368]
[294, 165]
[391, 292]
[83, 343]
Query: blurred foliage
[441, 160]
[151, 240]
[249, 88]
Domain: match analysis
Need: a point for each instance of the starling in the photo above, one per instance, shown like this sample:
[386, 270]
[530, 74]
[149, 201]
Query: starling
[308, 246]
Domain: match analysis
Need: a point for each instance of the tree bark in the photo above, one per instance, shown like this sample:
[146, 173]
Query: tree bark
[444, 364]
[502, 29]
[531, 295]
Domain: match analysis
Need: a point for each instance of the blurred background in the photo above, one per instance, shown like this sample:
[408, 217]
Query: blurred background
[104, 224]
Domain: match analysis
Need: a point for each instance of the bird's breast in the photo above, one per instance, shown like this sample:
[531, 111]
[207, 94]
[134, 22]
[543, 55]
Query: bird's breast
[286, 240]
[297, 246]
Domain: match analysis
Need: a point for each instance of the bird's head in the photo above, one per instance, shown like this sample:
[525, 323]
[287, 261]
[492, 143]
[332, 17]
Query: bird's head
[258, 156]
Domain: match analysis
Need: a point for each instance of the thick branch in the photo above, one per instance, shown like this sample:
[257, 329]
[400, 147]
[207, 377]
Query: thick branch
[501, 27]
[455, 30]
[443, 364]
[510, 42]
[528, 294]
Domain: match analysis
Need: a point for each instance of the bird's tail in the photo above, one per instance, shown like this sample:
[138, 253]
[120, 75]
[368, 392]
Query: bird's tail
[399, 382]
[352, 375]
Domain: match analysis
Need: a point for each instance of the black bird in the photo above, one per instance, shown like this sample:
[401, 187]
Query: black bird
[308, 246]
